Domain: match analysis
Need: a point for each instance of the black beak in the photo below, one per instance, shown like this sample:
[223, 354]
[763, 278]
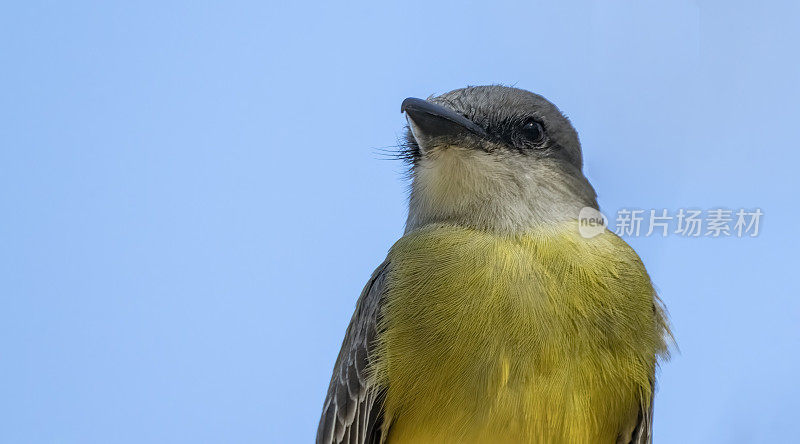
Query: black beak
[431, 120]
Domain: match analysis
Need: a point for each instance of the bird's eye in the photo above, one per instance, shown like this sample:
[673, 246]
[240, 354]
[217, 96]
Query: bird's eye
[533, 131]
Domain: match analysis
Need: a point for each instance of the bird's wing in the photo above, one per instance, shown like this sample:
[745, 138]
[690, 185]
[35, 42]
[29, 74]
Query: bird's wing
[353, 409]
[643, 432]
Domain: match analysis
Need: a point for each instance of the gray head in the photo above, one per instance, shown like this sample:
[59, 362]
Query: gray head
[493, 158]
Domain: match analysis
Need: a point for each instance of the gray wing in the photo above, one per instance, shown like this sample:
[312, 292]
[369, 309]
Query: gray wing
[353, 409]
[640, 428]
[643, 432]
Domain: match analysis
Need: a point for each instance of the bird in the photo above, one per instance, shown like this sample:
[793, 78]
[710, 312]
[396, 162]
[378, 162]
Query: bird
[492, 319]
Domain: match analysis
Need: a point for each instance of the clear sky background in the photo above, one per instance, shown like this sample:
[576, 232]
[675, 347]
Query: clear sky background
[193, 195]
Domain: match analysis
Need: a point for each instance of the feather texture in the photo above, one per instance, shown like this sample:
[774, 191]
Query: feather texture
[352, 412]
[534, 338]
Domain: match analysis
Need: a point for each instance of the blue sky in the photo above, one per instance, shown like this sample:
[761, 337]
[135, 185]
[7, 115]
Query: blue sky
[194, 195]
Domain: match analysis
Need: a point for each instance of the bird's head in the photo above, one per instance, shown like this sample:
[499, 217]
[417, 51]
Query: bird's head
[494, 158]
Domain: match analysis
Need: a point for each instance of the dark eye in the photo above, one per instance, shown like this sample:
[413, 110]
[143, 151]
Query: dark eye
[532, 131]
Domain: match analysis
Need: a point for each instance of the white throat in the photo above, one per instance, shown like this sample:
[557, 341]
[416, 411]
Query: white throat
[500, 192]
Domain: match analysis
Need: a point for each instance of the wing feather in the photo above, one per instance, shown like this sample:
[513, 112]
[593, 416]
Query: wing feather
[643, 432]
[352, 412]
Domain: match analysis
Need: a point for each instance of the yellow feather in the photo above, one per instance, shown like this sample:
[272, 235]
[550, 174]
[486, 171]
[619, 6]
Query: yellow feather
[543, 337]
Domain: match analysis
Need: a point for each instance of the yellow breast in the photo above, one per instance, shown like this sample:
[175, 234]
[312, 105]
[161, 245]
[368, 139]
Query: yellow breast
[542, 337]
